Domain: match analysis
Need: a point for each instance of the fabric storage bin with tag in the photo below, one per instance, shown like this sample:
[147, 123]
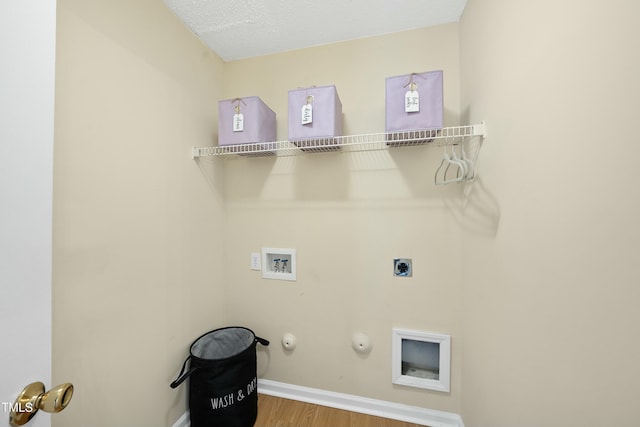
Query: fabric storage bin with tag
[414, 102]
[315, 113]
[245, 121]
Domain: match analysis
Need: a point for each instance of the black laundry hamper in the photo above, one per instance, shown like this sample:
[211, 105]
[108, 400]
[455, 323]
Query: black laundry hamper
[222, 378]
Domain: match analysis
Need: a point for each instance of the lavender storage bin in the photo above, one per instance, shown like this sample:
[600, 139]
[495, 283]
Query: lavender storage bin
[429, 86]
[258, 123]
[326, 117]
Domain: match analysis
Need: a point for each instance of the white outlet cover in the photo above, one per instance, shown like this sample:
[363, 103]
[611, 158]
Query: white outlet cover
[256, 261]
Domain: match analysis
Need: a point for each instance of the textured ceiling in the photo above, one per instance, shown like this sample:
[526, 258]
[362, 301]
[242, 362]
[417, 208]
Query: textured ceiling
[237, 29]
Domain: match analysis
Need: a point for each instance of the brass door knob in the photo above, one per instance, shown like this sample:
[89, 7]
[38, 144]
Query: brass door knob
[33, 397]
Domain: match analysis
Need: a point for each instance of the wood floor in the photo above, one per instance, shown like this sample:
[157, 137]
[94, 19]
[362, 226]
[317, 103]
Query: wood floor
[278, 412]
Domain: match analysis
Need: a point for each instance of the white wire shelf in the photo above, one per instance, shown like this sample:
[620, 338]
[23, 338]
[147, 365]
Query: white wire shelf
[366, 142]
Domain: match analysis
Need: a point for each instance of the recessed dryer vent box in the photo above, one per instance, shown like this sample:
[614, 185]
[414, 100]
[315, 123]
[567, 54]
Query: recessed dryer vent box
[421, 359]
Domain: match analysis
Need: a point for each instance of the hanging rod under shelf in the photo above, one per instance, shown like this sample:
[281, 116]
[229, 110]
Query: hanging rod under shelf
[366, 142]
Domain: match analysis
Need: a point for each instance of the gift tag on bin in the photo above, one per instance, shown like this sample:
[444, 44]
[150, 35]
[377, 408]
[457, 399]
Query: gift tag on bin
[412, 100]
[307, 111]
[238, 122]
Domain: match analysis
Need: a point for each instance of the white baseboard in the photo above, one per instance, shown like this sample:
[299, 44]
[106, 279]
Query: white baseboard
[363, 405]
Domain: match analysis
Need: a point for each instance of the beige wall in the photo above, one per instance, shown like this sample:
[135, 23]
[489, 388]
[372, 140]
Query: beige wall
[144, 259]
[348, 216]
[533, 265]
[136, 226]
[551, 236]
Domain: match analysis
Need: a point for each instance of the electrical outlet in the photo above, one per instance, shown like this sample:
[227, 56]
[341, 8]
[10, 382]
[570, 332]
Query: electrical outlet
[255, 261]
[402, 267]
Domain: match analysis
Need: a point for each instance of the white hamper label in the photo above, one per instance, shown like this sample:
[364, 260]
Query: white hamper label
[234, 397]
